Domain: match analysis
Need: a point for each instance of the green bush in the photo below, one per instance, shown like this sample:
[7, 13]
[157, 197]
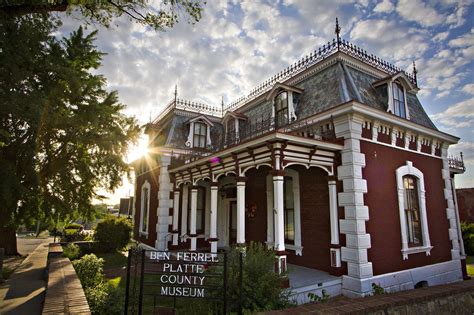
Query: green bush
[72, 235]
[262, 287]
[467, 230]
[90, 270]
[104, 298]
[113, 233]
[72, 251]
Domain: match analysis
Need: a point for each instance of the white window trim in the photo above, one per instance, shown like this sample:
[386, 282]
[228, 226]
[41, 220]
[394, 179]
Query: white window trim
[144, 229]
[402, 171]
[270, 213]
[391, 101]
[190, 142]
[290, 108]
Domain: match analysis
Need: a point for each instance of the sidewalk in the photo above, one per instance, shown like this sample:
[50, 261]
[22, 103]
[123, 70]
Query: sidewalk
[23, 292]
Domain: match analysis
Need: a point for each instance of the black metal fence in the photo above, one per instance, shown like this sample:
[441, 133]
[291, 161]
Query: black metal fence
[162, 281]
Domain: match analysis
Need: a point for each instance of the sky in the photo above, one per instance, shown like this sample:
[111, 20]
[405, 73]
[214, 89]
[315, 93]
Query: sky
[238, 44]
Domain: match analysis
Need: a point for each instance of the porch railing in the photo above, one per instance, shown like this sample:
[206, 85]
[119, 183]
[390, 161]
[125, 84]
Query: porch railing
[323, 131]
[456, 163]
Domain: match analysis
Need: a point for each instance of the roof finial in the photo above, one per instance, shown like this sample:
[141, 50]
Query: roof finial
[414, 73]
[338, 32]
[175, 92]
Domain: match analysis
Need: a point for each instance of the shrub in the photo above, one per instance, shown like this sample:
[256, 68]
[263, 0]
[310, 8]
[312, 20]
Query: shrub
[262, 287]
[90, 270]
[72, 251]
[72, 235]
[467, 230]
[113, 233]
[104, 298]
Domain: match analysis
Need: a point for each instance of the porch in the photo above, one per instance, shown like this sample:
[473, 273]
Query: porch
[306, 280]
[279, 190]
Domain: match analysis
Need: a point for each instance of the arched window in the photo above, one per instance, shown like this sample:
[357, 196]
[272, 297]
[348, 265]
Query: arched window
[398, 100]
[281, 109]
[412, 209]
[145, 208]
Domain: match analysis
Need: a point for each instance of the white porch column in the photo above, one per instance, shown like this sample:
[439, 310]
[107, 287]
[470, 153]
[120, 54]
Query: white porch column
[241, 211]
[213, 228]
[335, 250]
[175, 217]
[278, 202]
[280, 223]
[192, 217]
[184, 213]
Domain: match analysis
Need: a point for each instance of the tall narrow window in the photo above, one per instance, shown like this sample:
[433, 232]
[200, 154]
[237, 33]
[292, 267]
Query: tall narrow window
[412, 211]
[200, 135]
[145, 208]
[281, 109]
[289, 211]
[200, 210]
[398, 100]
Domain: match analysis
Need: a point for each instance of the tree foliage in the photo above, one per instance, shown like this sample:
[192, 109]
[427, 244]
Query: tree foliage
[62, 134]
[165, 16]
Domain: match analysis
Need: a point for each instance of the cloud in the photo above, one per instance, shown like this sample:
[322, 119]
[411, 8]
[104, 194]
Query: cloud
[459, 115]
[386, 6]
[419, 12]
[390, 39]
[469, 89]
[441, 36]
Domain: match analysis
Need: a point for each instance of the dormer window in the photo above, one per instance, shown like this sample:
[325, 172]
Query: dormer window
[393, 90]
[398, 100]
[200, 135]
[284, 99]
[281, 109]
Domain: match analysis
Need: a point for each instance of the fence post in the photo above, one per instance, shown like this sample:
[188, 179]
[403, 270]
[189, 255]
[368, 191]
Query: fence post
[127, 284]
[142, 273]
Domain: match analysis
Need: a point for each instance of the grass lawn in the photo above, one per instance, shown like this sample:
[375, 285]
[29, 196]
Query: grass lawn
[470, 265]
[113, 260]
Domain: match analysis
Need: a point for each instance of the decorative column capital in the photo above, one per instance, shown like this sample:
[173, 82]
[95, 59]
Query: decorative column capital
[214, 184]
[241, 179]
[194, 187]
[277, 173]
[331, 179]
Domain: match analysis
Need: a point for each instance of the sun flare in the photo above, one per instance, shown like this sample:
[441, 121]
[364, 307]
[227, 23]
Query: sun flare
[138, 150]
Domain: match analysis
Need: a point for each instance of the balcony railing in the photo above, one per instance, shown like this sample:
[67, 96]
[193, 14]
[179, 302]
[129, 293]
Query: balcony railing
[456, 163]
[323, 131]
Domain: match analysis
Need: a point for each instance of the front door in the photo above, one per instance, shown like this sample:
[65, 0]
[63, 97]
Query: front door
[232, 222]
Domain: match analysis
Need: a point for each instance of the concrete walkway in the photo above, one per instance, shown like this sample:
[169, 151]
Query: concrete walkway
[23, 292]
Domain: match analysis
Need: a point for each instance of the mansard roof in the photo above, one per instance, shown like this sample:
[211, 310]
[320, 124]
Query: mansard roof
[336, 73]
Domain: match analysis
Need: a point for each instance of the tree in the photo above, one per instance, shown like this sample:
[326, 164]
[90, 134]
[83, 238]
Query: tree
[103, 11]
[62, 134]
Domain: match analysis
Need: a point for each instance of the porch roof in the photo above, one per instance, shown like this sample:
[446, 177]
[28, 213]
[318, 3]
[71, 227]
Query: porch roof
[260, 151]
